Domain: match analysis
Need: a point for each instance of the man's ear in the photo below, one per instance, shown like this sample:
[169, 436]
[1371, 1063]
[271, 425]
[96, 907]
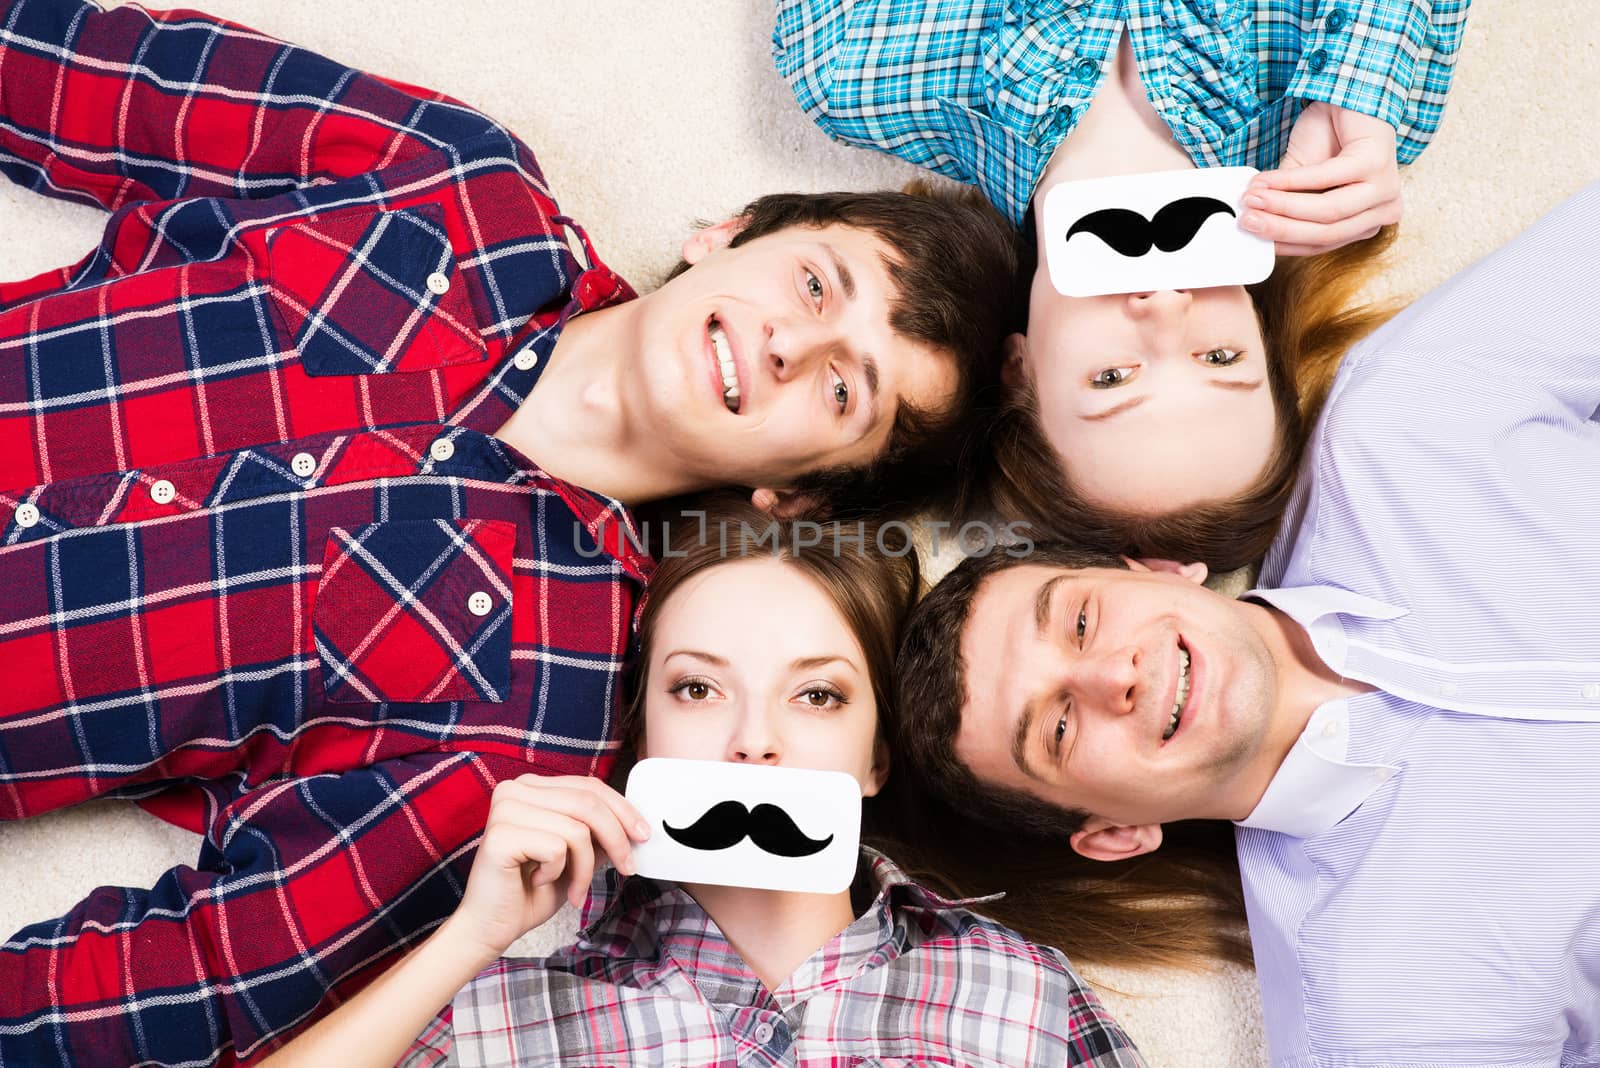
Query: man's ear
[880, 768]
[1014, 368]
[1102, 840]
[1195, 572]
[705, 241]
[785, 504]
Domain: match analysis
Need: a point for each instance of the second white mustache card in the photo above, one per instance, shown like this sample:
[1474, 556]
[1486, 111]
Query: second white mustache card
[753, 825]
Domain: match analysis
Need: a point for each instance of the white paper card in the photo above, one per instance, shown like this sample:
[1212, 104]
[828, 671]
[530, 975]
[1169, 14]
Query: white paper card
[1136, 233]
[707, 817]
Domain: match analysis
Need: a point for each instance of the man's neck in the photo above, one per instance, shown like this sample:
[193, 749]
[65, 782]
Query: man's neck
[1305, 683]
[1119, 134]
[576, 425]
[774, 931]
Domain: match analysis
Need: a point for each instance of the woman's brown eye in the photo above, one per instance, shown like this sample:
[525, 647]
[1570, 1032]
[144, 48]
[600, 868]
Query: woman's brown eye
[818, 698]
[698, 691]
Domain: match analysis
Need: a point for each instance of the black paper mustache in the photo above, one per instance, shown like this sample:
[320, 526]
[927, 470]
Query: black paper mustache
[726, 824]
[1131, 234]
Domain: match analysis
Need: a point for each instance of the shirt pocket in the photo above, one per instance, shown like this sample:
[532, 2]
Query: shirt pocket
[416, 610]
[372, 292]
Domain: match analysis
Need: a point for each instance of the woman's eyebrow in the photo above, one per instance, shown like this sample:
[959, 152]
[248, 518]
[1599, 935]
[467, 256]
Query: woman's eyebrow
[1239, 385]
[807, 663]
[1115, 409]
[710, 658]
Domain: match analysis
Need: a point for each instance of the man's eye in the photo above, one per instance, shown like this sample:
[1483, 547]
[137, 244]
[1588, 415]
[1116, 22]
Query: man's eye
[1061, 730]
[1110, 377]
[1221, 357]
[841, 392]
[814, 288]
[1083, 624]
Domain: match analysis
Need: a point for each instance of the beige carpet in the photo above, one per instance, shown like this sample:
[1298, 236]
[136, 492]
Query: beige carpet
[650, 115]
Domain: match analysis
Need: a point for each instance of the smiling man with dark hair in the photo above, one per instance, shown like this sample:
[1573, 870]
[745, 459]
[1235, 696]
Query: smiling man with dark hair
[1403, 720]
[314, 489]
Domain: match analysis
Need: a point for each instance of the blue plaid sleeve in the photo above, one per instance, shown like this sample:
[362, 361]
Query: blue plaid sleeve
[1391, 59]
[852, 65]
[909, 77]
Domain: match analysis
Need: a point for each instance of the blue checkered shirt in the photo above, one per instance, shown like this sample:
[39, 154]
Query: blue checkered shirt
[983, 91]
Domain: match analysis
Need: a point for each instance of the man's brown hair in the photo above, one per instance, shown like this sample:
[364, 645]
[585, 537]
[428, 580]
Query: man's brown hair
[953, 259]
[1309, 319]
[1181, 905]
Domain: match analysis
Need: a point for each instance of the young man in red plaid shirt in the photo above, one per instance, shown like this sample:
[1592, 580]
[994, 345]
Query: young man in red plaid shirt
[293, 551]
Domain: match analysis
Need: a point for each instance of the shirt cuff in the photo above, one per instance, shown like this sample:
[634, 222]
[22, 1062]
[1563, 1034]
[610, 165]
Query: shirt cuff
[1361, 55]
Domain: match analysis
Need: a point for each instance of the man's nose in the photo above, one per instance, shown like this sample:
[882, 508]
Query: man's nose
[794, 346]
[754, 739]
[1108, 679]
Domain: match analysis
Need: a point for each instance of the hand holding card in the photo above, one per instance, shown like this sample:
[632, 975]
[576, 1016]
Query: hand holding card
[544, 837]
[754, 825]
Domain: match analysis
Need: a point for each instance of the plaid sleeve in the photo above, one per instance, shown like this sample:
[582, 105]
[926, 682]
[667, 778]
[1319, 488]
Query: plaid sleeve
[1391, 59]
[436, 1046]
[900, 76]
[127, 105]
[1068, 1010]
[304, 886]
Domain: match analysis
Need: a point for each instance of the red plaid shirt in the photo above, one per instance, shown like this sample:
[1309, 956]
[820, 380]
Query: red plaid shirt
[264, 568]
[916, 979]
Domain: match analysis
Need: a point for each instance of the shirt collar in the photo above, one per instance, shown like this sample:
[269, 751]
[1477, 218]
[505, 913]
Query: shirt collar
[1317, 608]
[1315, 787]
[625, 913]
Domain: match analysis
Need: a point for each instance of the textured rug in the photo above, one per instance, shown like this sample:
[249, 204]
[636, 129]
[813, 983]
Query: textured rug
[650, 116]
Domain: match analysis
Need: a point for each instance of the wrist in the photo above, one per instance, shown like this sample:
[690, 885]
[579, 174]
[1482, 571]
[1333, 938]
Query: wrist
[460, 951]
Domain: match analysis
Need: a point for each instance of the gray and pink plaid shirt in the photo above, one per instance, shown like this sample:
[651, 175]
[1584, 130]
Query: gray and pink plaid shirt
[916, 979]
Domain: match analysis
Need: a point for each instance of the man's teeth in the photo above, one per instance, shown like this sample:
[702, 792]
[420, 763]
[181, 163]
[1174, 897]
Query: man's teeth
[730, 376]
[1183, 693]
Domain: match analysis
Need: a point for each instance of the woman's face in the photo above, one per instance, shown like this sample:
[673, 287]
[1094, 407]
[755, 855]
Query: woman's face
[1153, 401]
[751, 662]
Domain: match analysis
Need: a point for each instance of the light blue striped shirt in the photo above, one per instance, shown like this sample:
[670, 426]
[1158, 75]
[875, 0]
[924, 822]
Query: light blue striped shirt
[1423, 874]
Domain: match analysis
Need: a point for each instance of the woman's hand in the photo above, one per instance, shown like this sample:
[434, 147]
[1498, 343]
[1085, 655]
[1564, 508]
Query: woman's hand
[1338, 182]
[544, 837]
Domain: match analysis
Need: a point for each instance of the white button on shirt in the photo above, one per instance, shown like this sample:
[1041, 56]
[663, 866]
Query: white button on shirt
[162, 492]
[303, 464]
[27, 515]
[525, 359]
[438, 284]
[763, 1033]
[480, 603]
[441, 449]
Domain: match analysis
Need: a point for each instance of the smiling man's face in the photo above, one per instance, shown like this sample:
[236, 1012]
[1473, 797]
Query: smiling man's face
[775, 358]
[1073, 678]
